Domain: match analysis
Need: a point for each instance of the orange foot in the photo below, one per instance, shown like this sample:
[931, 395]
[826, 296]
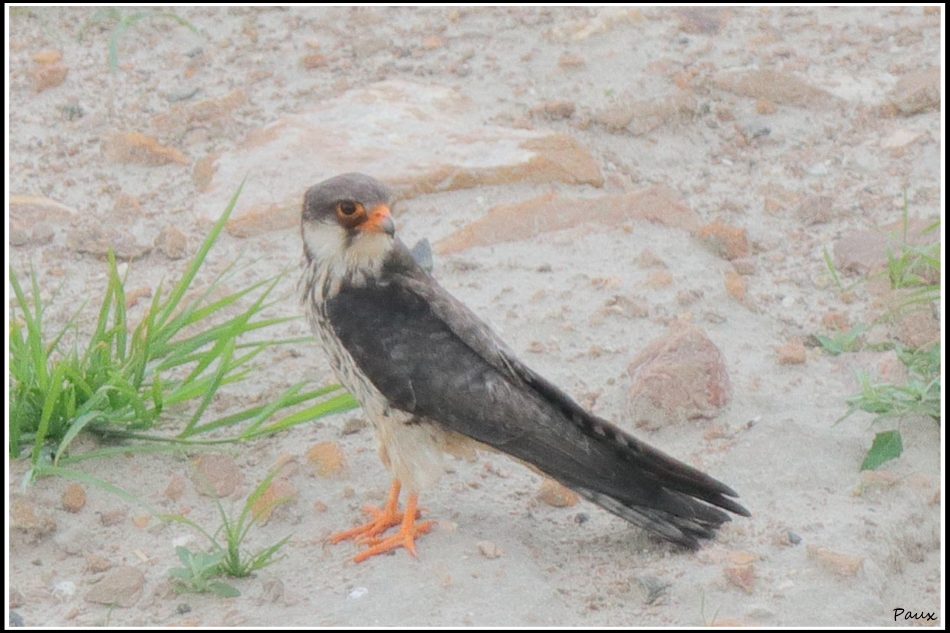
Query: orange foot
[384, 519]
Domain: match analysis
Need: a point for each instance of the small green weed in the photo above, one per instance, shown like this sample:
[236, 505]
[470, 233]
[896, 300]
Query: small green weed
[846, 342]
[123, 22]
[198, 573]
[914, 272]
[228, 556]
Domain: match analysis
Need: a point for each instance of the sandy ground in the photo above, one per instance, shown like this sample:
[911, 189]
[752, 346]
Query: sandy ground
[749, 161]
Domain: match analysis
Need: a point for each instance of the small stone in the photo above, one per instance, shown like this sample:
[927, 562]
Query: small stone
[431, 42]
[48, 76]
[555, 109]
[74, 498]
[172, 242]
[554, 494]
[729, 242]
[138, 149]
[327, 458]
[834, 320]
[659, 279]
[109, 518]
[680, 375]
[649, 259]
[26, 519]
[839, 564]
[354, 425]
[175, 488]
[279, 491]
[489, 549]
[141, 521]
[742, 576]
[570, 61]
[132, 296]
[97, 564]
[314, 60]
[121, 588]
[50, 56]
[744, 265]
[792, 353]
[216, 475]
[815, 210]
[764, 106]
[917, 92]
[735, 285]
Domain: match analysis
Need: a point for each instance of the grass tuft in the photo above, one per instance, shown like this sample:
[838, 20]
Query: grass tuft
[228, 558]
[914, 272]
[119, 384]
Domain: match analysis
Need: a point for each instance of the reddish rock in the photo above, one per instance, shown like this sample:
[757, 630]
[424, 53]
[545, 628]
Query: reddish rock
[141, 521]
[742, 576]
[489, 549]
[431, 42]
[839, 564]
[314, 60]
[554, 494]
[98, 240]
[552, 212]
[917, 92]
[172, 243]
[50, 56]
[777, 86]
[132, 296]
[859, 251]
[138, 149]
[74, 498]
[764, 106]
[659, 279]
[280, 490]
[792, 353]
[327, 458]
[815, 210]
[744, 265]
[642, 116]
[27, 520]
[735, 285]
[681, 375]
[917, 330]
[97, 564]
[729, 242]
[555, 109]
[702, 20]
[216, 475]
[48, 76]
[210, 113]
[834, 320]
[175, 488]
[570, 61]
[121, 588]
[418, 138]
[109, 518]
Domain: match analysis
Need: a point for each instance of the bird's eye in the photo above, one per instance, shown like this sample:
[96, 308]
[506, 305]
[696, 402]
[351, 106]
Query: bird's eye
[348, 207]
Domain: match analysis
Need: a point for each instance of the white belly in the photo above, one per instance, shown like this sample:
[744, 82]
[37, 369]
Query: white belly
[410, 447]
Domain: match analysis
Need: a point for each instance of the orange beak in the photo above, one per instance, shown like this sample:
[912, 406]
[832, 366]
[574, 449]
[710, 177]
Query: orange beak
[379, 220]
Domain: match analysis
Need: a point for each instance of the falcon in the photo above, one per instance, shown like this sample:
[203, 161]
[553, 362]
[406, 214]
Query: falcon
[431, 376]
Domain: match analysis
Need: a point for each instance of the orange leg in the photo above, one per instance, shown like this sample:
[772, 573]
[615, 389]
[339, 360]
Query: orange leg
[383, 520]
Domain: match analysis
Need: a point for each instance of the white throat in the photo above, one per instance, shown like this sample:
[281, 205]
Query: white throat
[333, 261]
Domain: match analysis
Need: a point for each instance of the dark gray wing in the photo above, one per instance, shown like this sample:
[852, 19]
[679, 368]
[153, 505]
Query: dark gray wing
[431, 356]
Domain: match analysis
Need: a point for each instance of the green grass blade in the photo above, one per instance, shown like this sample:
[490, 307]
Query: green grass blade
[179, 290]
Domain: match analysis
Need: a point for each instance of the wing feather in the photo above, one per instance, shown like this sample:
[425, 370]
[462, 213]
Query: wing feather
[432, 357]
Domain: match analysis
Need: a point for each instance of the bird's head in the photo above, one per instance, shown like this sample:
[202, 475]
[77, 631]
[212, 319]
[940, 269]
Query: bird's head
[346, 221]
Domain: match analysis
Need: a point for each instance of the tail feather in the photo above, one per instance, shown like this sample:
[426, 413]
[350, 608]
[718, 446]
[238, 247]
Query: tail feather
[681, 528]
